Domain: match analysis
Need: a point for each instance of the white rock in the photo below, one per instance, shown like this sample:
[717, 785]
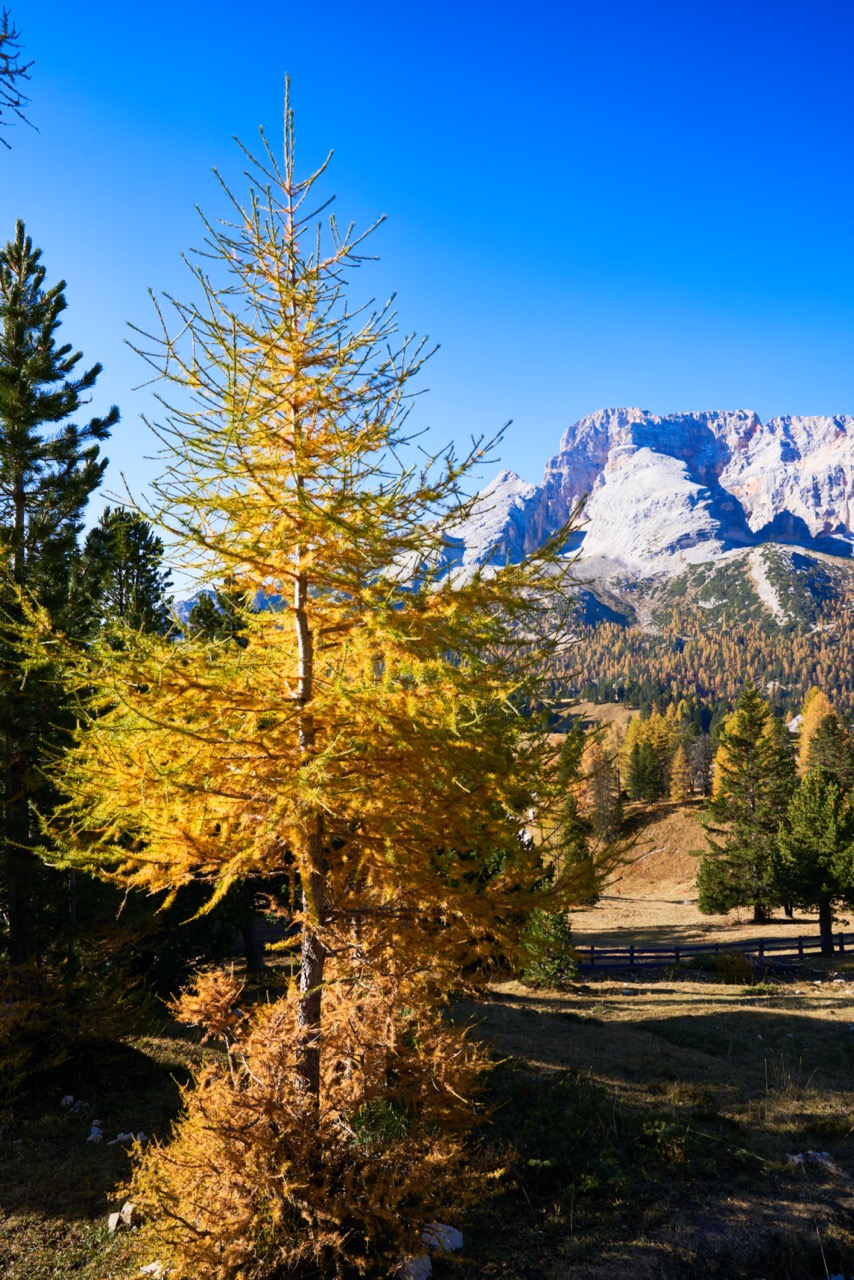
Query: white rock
[822, 1158]
[114, 1222]
[666, 491]
[128, 1214]
[67, 1101]
[416, 1268]
[95, 1135]
[436, 1235]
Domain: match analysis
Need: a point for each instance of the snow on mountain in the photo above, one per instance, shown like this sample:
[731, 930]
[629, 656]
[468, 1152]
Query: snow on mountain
[499, 524]
[667, 491]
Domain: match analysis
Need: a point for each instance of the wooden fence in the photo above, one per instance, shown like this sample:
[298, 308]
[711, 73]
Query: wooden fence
[634, 956]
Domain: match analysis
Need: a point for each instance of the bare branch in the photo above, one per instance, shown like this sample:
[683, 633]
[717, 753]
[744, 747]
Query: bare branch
[12, 73]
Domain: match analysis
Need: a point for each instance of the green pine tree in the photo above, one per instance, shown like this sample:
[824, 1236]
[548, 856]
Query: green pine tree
[49, 466]
[816, 853]
[123, 576]
[217, 615]
[754, 777]
[832, 748]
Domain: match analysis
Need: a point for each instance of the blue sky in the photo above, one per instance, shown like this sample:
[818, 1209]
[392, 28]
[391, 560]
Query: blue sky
[588, 205]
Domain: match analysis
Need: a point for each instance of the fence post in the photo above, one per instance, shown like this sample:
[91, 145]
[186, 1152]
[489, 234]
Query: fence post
[632, 954]
[761, 950]
[717, 948]
[800, 948]
[675, 955]
[592, 955]
[841, 943]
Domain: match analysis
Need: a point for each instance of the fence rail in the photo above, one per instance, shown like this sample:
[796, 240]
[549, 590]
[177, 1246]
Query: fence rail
[633, 956]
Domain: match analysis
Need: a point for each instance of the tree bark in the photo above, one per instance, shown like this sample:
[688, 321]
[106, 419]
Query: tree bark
[825, 926]
[313, 951]
[20, 864]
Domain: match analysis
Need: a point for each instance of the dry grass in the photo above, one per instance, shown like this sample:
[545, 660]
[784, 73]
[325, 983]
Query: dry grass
[652, 897]
[709, 1089]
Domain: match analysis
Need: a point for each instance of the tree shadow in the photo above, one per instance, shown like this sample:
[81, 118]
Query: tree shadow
[688, 1117]
[47, 1166]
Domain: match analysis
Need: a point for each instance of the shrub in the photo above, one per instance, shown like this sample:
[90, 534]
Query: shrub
[547, 945]
[263, 1178]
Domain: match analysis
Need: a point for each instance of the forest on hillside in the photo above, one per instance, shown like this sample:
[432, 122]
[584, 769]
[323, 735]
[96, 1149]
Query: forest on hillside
[693, 654]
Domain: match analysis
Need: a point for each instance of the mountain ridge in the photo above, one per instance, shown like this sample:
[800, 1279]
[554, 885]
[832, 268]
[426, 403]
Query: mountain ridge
[664, 491]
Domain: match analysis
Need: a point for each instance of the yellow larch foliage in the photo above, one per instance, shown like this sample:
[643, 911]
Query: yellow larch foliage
[680, 776]
[816, 706]
[363, 743]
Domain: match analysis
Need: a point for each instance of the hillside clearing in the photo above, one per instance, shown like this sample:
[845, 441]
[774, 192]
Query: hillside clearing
[652, 898]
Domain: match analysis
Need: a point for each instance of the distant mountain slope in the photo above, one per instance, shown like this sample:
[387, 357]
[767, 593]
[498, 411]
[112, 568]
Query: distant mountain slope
[664, 492]
[711, 547]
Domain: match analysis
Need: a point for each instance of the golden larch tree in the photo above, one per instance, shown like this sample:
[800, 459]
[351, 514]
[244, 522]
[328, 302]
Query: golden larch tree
[680, 776]
[816, 707]
[370, 744]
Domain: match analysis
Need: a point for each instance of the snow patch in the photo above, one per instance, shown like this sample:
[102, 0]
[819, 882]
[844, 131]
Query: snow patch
[764, 588]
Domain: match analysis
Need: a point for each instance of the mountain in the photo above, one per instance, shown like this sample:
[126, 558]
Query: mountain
[666, 495]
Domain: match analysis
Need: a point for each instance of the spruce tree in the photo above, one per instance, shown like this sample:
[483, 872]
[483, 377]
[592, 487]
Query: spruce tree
[832, 748]
[754, 775]
[122, 576]
[49, 466]
[816, 849]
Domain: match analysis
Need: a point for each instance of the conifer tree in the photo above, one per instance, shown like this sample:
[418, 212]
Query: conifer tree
[831, 747]
[123, 577]
[754, 774]
[816, 849]
[816, 707]
[364, 745]
[599, 794]
[49, 466]
[680, 776]
[701, 758]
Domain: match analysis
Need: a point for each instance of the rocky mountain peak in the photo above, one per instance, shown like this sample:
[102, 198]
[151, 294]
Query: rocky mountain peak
[663, 490]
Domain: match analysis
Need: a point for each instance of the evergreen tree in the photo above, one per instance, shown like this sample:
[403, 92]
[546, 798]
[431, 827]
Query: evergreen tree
[217, 615]
[123, 577]
[48, 469]
[831, 747]
[816, 849]
[599, 795]
[701, 757]
[645, 774]
[754, 775]
[364, 745]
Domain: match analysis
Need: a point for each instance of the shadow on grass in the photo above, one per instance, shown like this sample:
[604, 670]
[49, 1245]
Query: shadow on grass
[656, 1146]
[47, 1167]
[704, 933]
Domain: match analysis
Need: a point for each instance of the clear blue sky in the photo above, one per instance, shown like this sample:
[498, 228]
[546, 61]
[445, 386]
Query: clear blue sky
[589, 204]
